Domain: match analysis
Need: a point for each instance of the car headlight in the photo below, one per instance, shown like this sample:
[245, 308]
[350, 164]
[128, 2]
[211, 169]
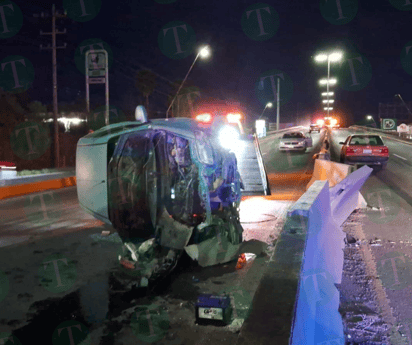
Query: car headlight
[229, 137]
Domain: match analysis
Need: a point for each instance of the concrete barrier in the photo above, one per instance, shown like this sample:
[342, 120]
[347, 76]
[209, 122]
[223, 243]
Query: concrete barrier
[330, 171]
[346, 194]
[318, 215]
[31, 186]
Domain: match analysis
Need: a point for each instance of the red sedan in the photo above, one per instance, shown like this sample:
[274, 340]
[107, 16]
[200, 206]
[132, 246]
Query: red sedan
[364, 149]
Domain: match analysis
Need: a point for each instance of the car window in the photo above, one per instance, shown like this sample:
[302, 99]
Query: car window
[293, 135]
[204, 148]
[372, 140]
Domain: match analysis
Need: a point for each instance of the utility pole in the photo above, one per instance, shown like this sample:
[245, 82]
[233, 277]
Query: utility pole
[55, 103]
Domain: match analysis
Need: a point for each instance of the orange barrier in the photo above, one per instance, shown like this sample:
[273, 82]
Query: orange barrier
[286, 186]
[23, 189]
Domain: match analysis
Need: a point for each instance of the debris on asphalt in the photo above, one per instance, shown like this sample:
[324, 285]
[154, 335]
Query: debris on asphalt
[241, 262]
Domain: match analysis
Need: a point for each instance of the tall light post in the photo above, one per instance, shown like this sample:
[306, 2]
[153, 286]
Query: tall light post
[204, 52]
[268, 105]
[332, 57]
[400, 97]
[277, 104]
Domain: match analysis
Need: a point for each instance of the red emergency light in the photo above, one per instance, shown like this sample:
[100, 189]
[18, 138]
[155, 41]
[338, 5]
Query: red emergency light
[233, 118]
[206, 117]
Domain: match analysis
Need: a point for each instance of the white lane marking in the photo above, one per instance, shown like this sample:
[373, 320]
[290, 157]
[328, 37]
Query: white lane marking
[399, 156]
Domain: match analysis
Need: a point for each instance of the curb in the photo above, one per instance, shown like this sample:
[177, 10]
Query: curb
[24, 189]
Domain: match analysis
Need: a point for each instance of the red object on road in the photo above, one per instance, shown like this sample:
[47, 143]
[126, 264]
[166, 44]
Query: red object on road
[127, 264]
[241, 262]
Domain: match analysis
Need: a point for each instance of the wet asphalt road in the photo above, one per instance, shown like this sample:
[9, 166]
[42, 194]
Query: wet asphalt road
[59, 277]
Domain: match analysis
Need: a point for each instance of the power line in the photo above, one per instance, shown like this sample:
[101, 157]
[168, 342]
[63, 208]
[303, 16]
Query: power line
[146, 68]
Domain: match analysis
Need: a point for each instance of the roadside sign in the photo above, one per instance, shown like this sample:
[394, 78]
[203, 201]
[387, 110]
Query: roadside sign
[403, 128]
[388, 124]
[96, 64]
[260, 128]
[97, 80]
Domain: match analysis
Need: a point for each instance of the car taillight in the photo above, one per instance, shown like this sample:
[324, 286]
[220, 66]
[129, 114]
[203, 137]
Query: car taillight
[385, 150]
[349, 150]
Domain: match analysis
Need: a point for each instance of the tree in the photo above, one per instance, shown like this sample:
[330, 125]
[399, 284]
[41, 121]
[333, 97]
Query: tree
[37, 109]
[146, 83]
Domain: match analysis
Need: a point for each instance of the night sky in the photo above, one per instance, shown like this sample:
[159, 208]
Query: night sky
[373, 32]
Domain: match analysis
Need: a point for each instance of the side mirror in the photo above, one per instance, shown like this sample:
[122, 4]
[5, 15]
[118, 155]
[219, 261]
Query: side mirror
[341, 143]
[140, 114]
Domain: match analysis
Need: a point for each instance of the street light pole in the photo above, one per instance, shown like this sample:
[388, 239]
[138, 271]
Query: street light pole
[327, 85]
[332, 57]
[269, 104]
[204, 51]
[277, 104]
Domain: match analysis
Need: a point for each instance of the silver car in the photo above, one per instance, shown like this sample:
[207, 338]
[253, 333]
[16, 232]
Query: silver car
[295, 141]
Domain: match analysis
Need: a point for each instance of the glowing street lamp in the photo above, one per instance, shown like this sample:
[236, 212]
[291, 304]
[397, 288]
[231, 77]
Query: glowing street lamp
[325, 82]
[327, 93]
[327, 108]
[268, 105]
[370, 117]
[332, 57]
[204, 52]
[328, 101]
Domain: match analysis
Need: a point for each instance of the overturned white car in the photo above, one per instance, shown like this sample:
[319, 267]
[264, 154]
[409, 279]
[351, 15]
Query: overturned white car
[166, 186]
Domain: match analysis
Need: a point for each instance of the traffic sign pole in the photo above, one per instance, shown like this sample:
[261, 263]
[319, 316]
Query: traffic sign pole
[97, 73]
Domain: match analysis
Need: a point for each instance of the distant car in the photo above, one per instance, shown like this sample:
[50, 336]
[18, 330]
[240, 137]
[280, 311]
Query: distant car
[314, 128]
[364, 149]
[295, 141]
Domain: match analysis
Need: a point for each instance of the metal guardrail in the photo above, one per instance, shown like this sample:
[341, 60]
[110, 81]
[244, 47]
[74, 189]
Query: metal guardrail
[285, 130]
[263, 173]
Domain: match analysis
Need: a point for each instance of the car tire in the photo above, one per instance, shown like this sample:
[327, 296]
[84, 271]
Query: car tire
[383, 166]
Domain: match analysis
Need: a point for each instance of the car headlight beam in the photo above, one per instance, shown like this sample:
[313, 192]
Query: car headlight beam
[229, 137]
